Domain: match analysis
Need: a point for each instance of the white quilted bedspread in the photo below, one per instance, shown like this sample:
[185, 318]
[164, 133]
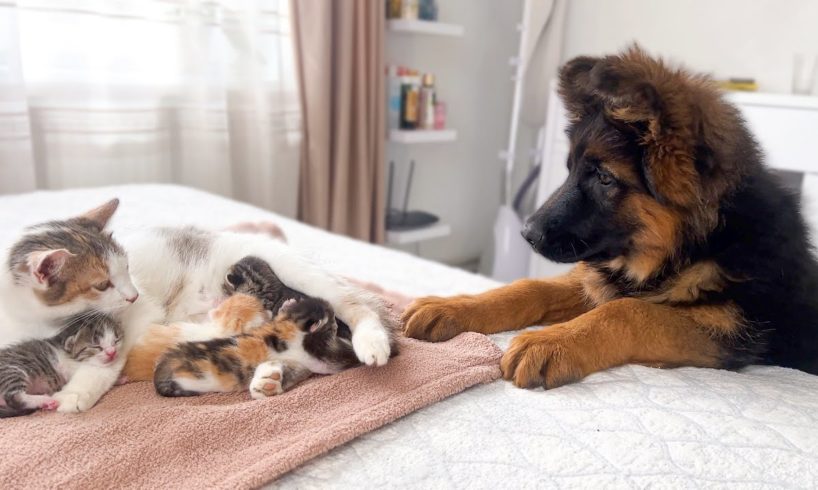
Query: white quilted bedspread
[632, 427]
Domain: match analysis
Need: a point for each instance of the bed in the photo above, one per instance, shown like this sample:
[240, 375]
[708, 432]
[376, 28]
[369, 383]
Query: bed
[631, 427]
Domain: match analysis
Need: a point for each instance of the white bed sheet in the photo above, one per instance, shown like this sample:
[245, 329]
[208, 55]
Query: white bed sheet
[631, 427]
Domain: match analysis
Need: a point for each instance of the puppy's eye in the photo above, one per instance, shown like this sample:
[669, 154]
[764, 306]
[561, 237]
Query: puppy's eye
[103, 286]
[604, 178]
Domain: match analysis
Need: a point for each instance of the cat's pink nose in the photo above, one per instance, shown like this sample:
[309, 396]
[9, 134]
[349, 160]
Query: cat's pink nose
[132, 298]
[110, 353]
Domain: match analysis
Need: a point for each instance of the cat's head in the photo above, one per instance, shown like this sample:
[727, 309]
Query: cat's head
[240, 313]
[96, 339]
[250, 275]
[74, 265]
[313, 316]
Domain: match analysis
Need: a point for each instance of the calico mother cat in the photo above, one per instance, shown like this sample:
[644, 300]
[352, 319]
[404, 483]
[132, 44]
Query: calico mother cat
[178, 273]
[268, 359]
[33, 370]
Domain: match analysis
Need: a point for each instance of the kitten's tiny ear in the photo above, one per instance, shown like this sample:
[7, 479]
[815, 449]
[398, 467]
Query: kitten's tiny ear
[234, 279]
[319, 324]
[102, 214]
[68, 345]
[46, 265]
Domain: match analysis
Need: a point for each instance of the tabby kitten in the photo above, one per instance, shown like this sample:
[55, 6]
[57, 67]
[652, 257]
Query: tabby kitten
[302, 339]
[33, 370]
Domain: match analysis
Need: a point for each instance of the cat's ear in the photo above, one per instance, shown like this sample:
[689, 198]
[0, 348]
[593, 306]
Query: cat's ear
[46, 265]
[234, 279]
[102, 214]
[319, 324]
[69, 343]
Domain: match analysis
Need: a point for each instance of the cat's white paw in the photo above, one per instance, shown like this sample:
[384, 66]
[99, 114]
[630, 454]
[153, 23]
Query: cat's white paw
[371, 344]
[73, 402]
[267, 381]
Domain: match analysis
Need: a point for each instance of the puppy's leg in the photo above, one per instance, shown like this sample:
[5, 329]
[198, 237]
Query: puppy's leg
[619, 332]
[520, 304]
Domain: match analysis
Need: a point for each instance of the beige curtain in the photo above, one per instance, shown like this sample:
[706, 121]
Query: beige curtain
[192, 92]
[340, 63]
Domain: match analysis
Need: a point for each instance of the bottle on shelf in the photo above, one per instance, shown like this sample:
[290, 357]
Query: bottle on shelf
[393, 9]
[427, 102]
[410, 100]
[409, 9]
[440, 115]
[427, 10]
[393, 97]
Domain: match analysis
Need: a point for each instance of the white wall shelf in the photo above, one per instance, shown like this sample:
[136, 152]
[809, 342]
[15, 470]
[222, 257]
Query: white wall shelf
[413, 136]
[436, 230]
[425, 27]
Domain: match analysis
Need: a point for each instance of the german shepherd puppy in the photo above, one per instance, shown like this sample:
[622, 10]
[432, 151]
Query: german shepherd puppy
[689, 251]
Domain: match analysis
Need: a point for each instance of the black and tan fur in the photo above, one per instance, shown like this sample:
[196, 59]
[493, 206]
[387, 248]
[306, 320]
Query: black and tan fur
[690, 252]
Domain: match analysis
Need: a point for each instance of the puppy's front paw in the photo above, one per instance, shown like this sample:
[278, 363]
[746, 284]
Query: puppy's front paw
[70, 402]
[437, 319]
[371, 344]
[547, 358]
[267, 381]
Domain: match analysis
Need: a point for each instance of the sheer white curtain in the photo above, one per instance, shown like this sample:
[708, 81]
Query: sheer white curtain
[200, 93]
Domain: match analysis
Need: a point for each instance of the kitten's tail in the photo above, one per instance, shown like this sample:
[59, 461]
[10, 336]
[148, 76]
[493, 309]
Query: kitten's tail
[164, 382]
[6, 411]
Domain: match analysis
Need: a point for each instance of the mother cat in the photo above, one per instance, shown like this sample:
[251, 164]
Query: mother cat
[177, 274]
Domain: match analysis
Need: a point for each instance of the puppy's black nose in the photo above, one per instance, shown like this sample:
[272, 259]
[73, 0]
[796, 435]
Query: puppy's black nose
[532, 235]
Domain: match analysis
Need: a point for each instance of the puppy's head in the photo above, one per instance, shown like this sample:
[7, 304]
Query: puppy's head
[649, 160]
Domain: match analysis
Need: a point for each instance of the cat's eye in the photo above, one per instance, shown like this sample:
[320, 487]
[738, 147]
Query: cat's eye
[103, 286]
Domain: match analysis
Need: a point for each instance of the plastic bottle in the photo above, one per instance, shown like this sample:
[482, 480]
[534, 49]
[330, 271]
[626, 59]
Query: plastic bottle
[410, 101]
[393, 97]
[427, 102]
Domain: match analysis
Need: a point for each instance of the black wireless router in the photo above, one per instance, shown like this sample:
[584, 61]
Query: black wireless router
[403, 219]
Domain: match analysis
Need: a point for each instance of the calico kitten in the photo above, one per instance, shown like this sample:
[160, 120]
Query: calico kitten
[302, 339]
[33, 370]
[239, 314]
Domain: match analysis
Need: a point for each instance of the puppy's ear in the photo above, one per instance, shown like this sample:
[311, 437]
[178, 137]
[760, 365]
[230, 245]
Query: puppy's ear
[628, 86]
[575, 89]
[659, 104]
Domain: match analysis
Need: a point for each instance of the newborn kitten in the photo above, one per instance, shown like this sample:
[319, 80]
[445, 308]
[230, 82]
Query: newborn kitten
[302, 339]
[255, 277]
[31, 371]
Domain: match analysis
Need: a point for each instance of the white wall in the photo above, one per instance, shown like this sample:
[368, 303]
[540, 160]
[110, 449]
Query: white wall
[724, 37]
[462, 181]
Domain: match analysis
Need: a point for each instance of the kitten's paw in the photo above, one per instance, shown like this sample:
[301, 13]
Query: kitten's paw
[267, 381]
[121, 380]
[50, 404]
[371, 344]
[73, 402]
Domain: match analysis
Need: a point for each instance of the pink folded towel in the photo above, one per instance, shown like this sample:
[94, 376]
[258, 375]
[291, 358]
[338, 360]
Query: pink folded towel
[135, 439]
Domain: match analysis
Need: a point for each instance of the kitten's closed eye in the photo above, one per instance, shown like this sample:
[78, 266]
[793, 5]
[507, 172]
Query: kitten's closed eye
[103, 286]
